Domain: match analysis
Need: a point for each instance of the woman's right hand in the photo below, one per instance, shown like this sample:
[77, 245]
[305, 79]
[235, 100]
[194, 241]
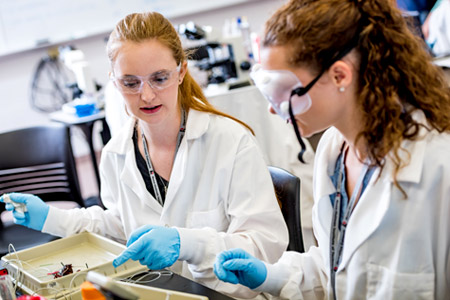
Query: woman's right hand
[33, 215]
[237, 266]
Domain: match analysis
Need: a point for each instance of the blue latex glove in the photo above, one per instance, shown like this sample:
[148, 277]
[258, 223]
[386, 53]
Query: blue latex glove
[36, 213]
[156, 247]
[237, 266]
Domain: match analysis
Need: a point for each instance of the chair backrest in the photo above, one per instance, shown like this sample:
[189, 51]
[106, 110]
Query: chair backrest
[39, 160]
[287, 189]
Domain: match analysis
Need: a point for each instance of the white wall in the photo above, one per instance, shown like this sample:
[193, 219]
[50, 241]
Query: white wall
[16, 70]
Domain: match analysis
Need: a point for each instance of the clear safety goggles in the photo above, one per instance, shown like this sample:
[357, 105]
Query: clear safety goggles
[281, 86]
[133, 84]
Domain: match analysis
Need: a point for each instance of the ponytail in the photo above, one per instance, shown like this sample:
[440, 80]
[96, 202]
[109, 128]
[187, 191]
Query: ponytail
[396, 77]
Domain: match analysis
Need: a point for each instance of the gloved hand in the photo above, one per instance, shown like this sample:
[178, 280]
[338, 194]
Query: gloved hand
[237, 266]
[36, 213]
[156, 247]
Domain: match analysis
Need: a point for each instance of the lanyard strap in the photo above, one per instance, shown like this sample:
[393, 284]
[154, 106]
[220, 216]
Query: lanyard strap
[337, 235]
[150, 168]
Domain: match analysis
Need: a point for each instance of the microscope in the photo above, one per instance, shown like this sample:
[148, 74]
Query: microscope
[225, 60]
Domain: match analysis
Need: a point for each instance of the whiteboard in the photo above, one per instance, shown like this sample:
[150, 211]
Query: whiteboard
[27, 24]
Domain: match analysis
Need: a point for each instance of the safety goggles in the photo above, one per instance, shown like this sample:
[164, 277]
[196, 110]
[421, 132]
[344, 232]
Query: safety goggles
[281, 86]
[133, 84]
[286, 93]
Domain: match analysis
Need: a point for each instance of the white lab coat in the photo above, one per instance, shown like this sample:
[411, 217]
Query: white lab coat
[394, 248]
[439, 29]
[220, 196]
[278, 143]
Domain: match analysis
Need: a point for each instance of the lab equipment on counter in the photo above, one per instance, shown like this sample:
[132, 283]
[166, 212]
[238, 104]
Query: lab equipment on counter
[50, 83]
[61, 76]
[225, 59]
[217, 60]
[81, 107]
[85, 98]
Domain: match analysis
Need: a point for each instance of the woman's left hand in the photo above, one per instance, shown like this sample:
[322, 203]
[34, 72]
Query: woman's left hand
[156, 247]
[237, 266]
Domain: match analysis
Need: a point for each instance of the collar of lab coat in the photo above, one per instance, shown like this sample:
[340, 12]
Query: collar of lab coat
[197, 124]
[374, 202]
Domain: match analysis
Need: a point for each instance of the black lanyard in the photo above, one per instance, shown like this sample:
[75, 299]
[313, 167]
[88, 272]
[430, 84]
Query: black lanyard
[337, 236]
[150, 168]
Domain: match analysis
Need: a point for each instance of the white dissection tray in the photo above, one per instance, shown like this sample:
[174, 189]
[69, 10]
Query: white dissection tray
[32, 267]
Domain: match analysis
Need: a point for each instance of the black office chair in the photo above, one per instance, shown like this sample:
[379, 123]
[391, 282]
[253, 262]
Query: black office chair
[287, 189]
[36, 160]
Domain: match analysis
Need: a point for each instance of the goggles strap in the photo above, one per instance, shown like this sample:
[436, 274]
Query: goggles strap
[297, 133]
[303, 90]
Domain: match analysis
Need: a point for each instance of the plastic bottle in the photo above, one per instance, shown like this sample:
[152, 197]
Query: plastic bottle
[226, 29]
[244, 27]
[255, 46]
[234, 27]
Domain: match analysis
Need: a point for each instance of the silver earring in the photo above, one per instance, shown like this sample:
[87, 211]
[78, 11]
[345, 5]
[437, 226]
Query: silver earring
[341, 89]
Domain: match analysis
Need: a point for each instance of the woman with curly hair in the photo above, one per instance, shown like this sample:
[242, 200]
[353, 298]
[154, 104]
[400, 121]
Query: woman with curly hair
[382, 169]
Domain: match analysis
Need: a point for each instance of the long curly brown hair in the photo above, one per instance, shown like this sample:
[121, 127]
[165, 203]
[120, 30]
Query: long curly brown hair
[140, 27]
[396, 74]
